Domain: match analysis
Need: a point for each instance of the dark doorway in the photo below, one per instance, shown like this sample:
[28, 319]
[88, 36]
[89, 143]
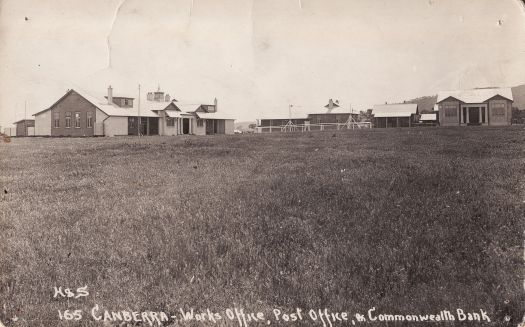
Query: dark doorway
[143, 126]
[153, 126]
[473, 115]
[210, 127]
[132, 125]
[185, 126]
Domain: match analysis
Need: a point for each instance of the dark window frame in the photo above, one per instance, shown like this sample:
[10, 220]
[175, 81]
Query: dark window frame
[56, 119]
[89, 119]
[68, 119]
[77, 120]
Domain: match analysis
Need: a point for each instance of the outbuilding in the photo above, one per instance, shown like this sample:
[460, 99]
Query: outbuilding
[395, 115]
[25, 127]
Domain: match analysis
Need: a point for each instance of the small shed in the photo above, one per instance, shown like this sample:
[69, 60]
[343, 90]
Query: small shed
[25, 127]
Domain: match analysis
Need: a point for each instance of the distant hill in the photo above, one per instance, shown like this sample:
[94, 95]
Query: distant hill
[424, 103]
[518, 93]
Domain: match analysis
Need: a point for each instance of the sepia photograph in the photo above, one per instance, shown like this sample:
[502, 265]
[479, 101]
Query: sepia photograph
[255, 163]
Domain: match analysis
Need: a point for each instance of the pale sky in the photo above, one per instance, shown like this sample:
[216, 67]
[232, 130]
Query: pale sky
[256, 56]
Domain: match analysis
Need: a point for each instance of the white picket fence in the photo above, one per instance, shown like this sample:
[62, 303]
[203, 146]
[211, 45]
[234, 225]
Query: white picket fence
[312, 127]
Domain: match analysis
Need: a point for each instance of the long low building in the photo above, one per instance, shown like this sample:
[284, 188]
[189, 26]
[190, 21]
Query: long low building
[331, 116]
[80, 114]
[482, 106]
[395, 115]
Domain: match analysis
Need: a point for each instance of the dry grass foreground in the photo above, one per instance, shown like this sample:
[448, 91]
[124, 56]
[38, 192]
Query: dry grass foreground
[405, 220]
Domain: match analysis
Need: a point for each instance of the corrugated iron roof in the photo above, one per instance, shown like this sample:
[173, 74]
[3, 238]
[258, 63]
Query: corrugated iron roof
[476, 95]
[187, 107]
[213, 115]
[112, 109]
[147, 108]
[300, 112]
[22, 120]
[395, 110]
[177, 114]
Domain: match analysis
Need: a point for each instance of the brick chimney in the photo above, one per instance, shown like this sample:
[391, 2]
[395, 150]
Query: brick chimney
[150, 96]
[215, 102]
[110, 95]
[167, 98]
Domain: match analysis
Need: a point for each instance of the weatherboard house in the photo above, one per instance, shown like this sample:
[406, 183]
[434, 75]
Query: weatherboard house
[481, 106]
[78, 113]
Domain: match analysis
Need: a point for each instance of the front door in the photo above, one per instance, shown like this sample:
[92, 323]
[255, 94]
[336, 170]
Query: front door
[185, 126]
[210, 126]
[473, 115]
[153, 126]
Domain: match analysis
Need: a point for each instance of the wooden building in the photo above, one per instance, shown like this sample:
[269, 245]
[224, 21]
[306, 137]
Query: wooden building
[25, 127]
[479, 107]
[81, 114]
[395, 115]
[331, 116]
[194, 118]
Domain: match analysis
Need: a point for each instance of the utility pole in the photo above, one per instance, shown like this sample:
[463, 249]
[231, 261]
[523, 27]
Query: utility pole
[25, 118]
[138, 115]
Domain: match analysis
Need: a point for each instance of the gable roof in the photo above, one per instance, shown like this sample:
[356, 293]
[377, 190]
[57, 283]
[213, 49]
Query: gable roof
[22, 120]
[158, 105]
[395, 110]
[109, 109]
[475, 95]
[213, 115]
[177, 114]
[300, 112]
[188, 107]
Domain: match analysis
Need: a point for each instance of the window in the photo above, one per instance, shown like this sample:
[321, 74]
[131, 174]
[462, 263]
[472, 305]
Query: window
[450, 110]
[200, 123]
[56, 119]
[68, 119]
[131, 122]
[77, 119]
[170, 121]
[498, 109]
[89, 121]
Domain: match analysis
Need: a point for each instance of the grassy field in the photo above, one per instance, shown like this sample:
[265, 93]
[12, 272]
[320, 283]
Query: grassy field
[404, 220]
